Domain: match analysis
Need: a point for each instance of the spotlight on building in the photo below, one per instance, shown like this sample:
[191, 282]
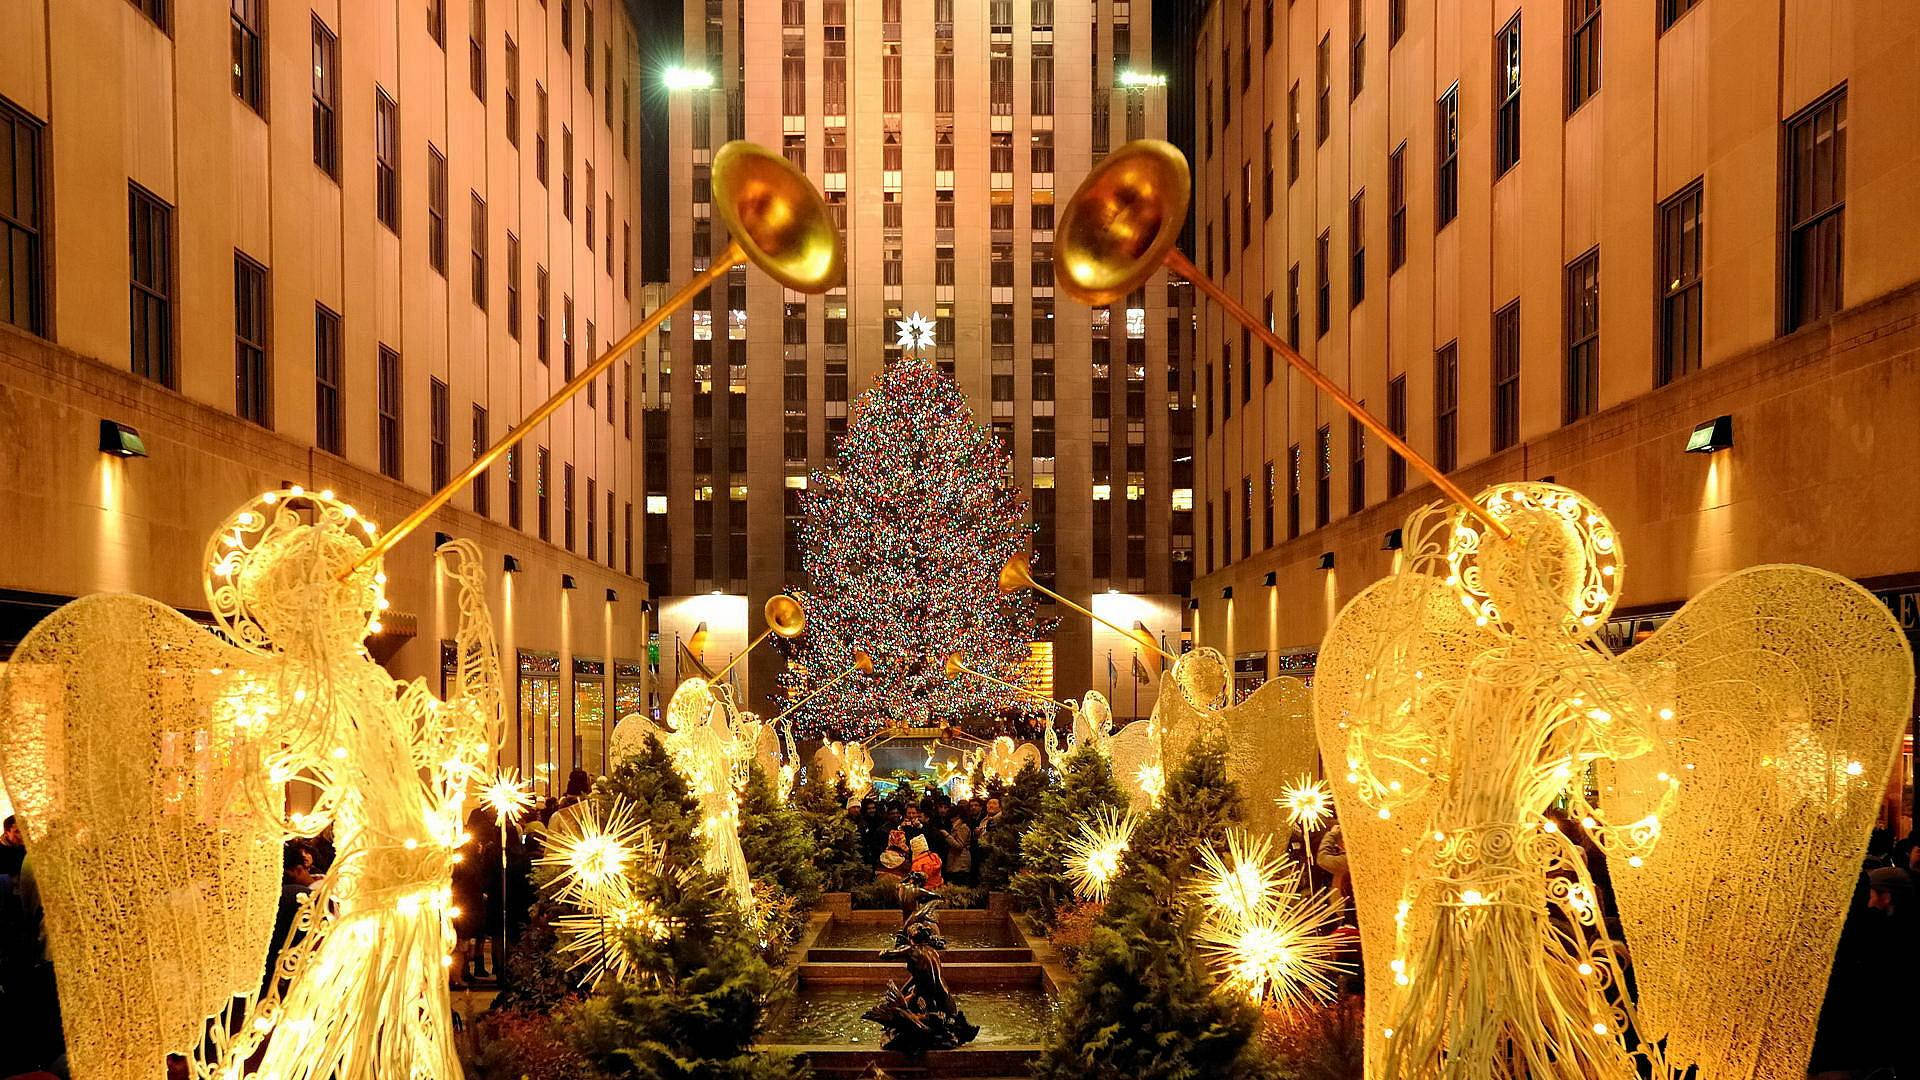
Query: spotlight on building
[646, 605]
[120, 440]
[1272, 579]
[686, 78]
[1326, 560]
[1139, 80]
[1393, 542]
[511, 564]
[567, 582]
[612, 597]
[441, 540]
[1226, 593]
[1193, 604]
[1711, 437]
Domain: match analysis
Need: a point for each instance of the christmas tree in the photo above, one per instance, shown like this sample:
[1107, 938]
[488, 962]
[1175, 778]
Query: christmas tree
[903, 549]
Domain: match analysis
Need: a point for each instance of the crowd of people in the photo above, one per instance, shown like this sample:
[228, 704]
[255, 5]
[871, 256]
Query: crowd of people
[932, 834]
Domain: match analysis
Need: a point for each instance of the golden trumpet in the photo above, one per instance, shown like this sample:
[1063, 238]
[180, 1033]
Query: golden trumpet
[1018, 574]
[862, 662]
[1120, 226]
[957, 667]
[775, 220]
[785, 617]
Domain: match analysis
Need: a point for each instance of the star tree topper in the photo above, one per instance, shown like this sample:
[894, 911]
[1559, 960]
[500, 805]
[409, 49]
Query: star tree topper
[915, 333]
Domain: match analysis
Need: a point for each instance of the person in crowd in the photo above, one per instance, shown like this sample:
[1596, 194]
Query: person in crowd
[993, 815]
[13, 848]
[959, 838]
[926, 862]
[579, 783]
[297, 880]
[893, 860]
[475, 877]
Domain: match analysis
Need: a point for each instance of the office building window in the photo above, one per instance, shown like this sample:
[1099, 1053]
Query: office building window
[542, 311]
[249, 80]
[1506, 98]
[1446, 407]
[1246, 516]
[1266, 173]
[566, 171]
[1680, 288]
[386, 160]
[1293, 491]
[1356, 48]
[542, 492]
[478, 242]
[1267, 493]
[540, 133]
[1357, 244]
[1671, 10]
[155, 10]
[1397, 423]
[1266, 351]
[150, 244]
[566, 504]
[566, 25]
[1323, 286]
[1506, 376]
[513, 287]
[22, 216]
[566, 336]
[1582, 388]
[1816, 200]
[390, 404]
[439, 434]
[1323, 84]
[1293, 133]
[477, 48]
[329, 383]
[437, 21]
[510, 90]
[593, 515]
[1322, 476]
[482, 486]
[326, 100]
[1446, 186]
[1397, 208]
[1583, 51]
[1293, 306]
[1396, 21]
[626, 535]
[252, 397]
[513, 487]
[1356, 466]
[437, 209]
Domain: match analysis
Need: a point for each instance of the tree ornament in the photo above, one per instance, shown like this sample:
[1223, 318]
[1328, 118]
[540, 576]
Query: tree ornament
[1468, 694]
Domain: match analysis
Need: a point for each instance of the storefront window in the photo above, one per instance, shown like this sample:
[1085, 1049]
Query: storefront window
[539, 695]
[590, 715]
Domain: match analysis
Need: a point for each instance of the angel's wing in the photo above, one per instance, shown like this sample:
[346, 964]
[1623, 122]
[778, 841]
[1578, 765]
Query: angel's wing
[1028, 754]
[1380, 698]
[630, 737]
[1131, 749]
[1270, 741]
[129, 740]
[1788, 689]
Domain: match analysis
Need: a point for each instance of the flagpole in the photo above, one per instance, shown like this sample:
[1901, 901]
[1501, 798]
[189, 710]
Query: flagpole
[1136, 683]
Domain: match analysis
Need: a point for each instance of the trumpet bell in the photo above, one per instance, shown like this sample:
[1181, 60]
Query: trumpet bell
[954, 666]
[1017, 574]
[863, 660]
[773, 212]
[785, 616]
[1120, 224]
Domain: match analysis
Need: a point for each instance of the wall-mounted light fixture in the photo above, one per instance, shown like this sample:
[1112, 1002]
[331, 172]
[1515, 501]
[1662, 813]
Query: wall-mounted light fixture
[1393, 542]
[1193, 604]
[441, 540]
[686, 78]
[120, 440]
[1272, 578]
[1226, 593]
[567, 582]
[1711, 437]
[646, 605]
[612, 597]
[1326, 560]
[511, 564]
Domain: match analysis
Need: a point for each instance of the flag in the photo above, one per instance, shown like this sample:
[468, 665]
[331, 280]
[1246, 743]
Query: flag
[688, 660]
[1113, 674]
[1140, 673]
[1145, 637]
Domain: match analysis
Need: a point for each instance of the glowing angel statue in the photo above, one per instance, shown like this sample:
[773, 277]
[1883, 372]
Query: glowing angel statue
[1728, 768]
[127, 728]
[1092, 726]
[710, 749]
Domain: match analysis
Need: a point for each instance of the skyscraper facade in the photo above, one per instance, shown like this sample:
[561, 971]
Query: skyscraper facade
[944, 136]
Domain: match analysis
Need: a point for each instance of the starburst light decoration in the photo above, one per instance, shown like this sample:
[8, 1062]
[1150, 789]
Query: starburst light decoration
[1093, 856]
[124, 726]
[1469, 692]
[508, 796]
[1308, 803]
[915, 334]
[1265, 934]
[592, 849]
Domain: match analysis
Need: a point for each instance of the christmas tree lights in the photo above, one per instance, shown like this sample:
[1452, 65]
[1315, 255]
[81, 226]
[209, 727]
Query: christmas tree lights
[903, 548]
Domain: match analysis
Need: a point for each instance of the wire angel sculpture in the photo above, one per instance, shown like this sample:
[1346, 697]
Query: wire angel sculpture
[1092, 726]
[712, 747]
[128, 730]
[1497, 754]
